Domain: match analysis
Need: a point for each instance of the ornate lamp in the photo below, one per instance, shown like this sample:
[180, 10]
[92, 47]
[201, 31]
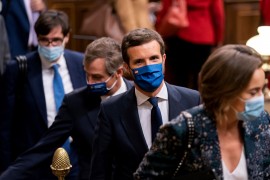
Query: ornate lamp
[261, 43]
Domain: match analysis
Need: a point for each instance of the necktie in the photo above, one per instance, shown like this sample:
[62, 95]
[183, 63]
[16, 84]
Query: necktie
[59, 93]
[156, 118]
[58, 87]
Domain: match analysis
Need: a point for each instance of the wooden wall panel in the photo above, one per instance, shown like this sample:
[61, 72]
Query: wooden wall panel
[75, 10]
[242, 20]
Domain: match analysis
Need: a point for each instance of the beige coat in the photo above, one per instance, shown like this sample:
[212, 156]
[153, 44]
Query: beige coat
[133, 14]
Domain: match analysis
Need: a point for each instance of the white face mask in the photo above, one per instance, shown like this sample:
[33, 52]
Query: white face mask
[51, 53]
[253, 108]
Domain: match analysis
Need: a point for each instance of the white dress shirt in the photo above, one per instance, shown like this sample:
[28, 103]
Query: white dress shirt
[144, 110]
[32, 17]
[47, 77]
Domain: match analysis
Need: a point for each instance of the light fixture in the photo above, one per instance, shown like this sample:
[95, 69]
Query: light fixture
[261, 43]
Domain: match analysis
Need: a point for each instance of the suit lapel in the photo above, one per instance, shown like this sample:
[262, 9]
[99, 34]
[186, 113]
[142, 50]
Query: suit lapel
[132, 124]
[129, 84]
[209, 146]
[253, 151]
[92, 104]
[174, 99]
[92, 116]
[34, 77]
[75, 71]
[23, 10]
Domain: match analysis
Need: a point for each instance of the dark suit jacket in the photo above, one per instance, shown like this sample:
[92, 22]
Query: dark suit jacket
[119, 137]
[22, 127]
[4, 48]
[17, 25]
[76, 118]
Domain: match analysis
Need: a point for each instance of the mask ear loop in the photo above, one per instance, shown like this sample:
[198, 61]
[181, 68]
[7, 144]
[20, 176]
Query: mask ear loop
[109, 78]
[113, 83]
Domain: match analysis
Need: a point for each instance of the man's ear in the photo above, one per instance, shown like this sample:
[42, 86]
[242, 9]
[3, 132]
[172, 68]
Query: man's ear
[125, 66]
[66, 38]
[127, 72]
[120, 71]
[164, 57]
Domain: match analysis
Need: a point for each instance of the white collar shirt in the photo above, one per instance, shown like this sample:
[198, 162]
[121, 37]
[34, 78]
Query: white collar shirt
[144, 111]
[47, 77]
[123, 88]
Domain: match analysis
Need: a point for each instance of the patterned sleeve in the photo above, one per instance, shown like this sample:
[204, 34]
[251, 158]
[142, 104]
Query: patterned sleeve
[161, 161]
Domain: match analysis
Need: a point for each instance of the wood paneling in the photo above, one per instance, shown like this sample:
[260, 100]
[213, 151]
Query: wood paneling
[75, 10]
[242, 20]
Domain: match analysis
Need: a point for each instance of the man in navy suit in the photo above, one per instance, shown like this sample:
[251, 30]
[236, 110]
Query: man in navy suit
[123, 133]
[20, 17]
[29, 102]
[78, 114]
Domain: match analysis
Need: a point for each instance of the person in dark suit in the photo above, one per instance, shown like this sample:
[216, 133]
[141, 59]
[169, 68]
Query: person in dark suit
[78, 114]
[123, 133]
[20, 17]
[189, 48]
[29, 102]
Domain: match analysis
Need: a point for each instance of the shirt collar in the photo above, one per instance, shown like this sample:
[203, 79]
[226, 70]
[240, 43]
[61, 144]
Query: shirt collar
[141, 98]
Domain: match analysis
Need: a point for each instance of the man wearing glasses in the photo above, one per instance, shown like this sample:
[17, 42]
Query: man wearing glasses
[29, 108]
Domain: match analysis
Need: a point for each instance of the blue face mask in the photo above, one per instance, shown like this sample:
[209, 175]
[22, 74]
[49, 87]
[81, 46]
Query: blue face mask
[253, 108]
[51, 53]
[100, 89]
[148, 78]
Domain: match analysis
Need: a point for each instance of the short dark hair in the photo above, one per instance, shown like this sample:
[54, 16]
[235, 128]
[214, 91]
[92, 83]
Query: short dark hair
[106, 48]
[138, 37]
[50, 19]
[225, 75]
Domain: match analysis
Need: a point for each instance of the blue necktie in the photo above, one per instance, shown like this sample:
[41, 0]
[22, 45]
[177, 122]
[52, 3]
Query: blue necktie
[58, 87]
[156, 118]
[59, 93]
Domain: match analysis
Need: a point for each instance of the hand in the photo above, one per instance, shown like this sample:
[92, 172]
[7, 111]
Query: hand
[37, 5]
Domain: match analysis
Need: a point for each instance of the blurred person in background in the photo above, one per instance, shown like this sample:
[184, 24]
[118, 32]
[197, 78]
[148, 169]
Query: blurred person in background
[188, 49]
[133, 14]
[20, 17]
[265, 12]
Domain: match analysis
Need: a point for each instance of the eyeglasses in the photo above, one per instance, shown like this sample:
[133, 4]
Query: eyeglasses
[53, 41]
